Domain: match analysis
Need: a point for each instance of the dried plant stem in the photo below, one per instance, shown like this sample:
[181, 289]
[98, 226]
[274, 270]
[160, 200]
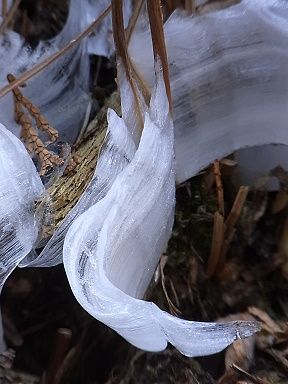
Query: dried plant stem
[218, 181]
[9, 15]
[4, 8]
[120, 37]
[158, 40]
[246, 375]
[223, 232]
[39, 67]
[217, 244]
[172, 308]
[61, 346]
[190, 6]
[29, 135]
[236, 210]
[230, 224]
[122, 49]
[133, 20]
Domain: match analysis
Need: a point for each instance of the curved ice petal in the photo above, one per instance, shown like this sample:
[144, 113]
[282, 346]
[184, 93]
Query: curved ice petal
[229, 80]
[111, 251]
[20, 187]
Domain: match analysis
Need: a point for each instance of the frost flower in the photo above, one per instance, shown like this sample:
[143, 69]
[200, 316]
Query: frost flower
[111, 250]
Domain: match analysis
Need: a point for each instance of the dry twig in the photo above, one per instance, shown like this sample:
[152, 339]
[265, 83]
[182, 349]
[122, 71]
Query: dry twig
[9, 15]
[29, 135]
[217, 244]
[220, 194]
[236, 210]
[158, 40]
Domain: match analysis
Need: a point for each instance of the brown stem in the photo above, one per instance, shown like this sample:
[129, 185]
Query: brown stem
[4, 8]
[121, 47]
[62, 343]
[120, 36]
[133, 20]
[158, 40]
[9, 16]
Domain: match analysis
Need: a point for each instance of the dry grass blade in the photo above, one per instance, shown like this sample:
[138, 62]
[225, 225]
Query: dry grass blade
[230, 223]
[221, 241]
[133, 20]
[248, 376]
[122, 50]
[158, 40]
[236, 210]
[4, 8]
[61, 346]
[224, 250]
[8, 16]
[190, 6]
[39, 67]
[172, 308]
[220, 194]
[120, 36]
[278, 357]
[217, 244]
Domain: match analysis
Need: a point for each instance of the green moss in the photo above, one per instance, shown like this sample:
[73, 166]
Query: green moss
[193, 222]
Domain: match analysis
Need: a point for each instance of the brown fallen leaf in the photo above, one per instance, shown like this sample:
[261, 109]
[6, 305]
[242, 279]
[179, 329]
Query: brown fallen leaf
[280, 202]
[240, 353]
[273, 334]
[279, 357]
[267, 323]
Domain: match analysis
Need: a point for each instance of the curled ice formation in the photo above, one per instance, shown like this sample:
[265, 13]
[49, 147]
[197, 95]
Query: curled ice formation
[229, 79]
[111, 250]
[20, 188]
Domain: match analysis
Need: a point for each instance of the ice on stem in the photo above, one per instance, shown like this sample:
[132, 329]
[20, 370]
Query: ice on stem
[117, 151]
[111, 250]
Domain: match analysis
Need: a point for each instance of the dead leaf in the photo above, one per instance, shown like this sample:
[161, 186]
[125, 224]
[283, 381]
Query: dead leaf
[267, 323]
[240, 353]
[280, 202]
